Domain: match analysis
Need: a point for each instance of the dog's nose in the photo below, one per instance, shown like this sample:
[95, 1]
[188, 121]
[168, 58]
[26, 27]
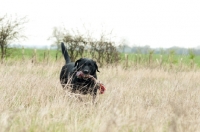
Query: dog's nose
[85, 71]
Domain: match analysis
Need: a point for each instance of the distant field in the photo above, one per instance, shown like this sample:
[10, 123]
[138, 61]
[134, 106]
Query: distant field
[136, 100]
[28, 54]
[141, 59]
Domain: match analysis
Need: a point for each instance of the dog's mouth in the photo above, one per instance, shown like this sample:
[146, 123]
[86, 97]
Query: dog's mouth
[83, 76]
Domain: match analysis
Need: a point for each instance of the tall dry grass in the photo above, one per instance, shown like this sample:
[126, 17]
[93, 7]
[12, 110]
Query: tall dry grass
[149, 100]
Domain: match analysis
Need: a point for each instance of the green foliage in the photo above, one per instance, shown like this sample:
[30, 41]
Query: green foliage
[191, 54]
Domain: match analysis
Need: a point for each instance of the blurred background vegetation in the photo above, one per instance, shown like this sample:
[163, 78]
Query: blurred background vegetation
[103, 50]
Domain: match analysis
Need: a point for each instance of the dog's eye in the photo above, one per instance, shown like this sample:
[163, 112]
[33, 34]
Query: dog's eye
[89, 64]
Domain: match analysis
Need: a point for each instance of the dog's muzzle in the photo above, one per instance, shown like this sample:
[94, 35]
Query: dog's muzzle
[83, 76]
[80, 74]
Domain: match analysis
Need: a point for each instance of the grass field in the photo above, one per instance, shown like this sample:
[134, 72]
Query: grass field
[136, 100]
[17, 54]
[142, 59]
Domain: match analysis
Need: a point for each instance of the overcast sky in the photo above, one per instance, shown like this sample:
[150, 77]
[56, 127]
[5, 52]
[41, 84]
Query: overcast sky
[157, 23]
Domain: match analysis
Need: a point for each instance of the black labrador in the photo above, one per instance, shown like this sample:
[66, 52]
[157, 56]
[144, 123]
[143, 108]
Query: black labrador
[80, 75]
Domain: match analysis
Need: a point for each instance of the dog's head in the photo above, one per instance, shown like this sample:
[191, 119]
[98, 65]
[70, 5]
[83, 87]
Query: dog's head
[87, 66]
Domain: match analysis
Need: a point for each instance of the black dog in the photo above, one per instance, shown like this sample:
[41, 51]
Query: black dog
[81, 75]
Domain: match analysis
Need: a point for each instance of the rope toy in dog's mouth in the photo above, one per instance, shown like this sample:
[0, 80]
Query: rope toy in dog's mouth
[80, 74]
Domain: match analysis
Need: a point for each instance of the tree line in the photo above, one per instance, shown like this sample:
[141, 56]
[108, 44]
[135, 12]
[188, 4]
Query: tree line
[10, 31]
[103, 49]
[147, 49]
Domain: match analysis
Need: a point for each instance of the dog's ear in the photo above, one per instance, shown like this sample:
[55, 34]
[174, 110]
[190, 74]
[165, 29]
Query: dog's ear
[95, 64]
[77, 62]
